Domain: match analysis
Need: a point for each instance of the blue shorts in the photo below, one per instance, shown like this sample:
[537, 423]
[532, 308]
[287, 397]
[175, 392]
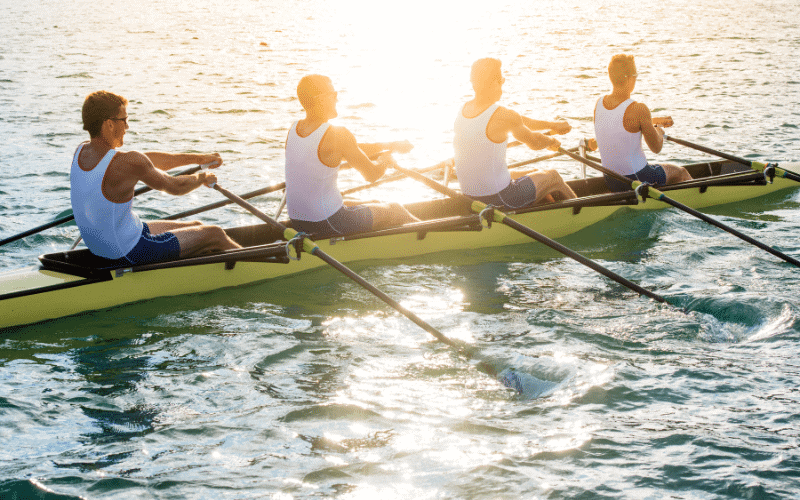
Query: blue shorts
[521, 192]
[653, 174]
[150, 248]
[346, 220]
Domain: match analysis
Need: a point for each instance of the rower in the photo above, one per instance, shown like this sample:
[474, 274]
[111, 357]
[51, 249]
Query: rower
[314, 151]
[102, 182]
[619, 125]
[481, 137]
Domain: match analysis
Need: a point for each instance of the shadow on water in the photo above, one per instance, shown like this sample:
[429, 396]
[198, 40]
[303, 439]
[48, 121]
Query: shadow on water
[25, 488]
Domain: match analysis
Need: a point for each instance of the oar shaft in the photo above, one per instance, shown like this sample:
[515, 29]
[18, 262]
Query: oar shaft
[580, 258]
[752, 164]
[539, 159]
[212, 206]
[442, 164]
[595, 165]
[666, 199]
[316, 251]
[709, 150]
[57, 222]
[375, 291]
[508, 221]
[662, 197]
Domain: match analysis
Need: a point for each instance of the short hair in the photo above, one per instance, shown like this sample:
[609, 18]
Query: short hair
[310, 87]
[98, 107]
[620, 67]
[484, 71]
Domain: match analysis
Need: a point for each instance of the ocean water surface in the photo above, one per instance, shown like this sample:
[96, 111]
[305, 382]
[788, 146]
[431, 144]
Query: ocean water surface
[308, 387]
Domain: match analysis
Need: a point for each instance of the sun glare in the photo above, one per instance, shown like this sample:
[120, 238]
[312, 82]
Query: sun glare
[412, 69]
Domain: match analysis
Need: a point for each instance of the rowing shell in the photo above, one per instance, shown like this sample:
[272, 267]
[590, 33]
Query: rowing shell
[69, 283]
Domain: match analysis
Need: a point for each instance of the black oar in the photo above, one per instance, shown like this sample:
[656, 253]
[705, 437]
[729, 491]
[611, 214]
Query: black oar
[212, 206]
[654, 193]
[752, 164]
[502, 218]
[509, 377]
[312, 248]
[67, 218]
[443, 164]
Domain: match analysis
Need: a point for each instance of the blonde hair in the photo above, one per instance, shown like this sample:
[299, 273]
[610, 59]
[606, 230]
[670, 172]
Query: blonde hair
[620, 68]
[310, 87]
[484, 72]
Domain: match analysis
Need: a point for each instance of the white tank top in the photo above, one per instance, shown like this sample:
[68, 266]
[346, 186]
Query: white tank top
[110, 230]
[480, 163]
[620, 150]
[312, 193]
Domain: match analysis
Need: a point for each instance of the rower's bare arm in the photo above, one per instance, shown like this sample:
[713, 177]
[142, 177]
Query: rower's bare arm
[143, 169]
[663, 121]
[371, 149]
[522, 133]
[553, 128]
[653, 136]
[168, 161]
[356, 157]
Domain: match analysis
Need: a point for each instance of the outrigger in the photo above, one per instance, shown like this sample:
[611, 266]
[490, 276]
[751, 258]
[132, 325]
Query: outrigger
[74, 281]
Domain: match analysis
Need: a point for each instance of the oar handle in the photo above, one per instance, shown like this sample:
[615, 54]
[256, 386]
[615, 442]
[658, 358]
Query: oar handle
[206, 166]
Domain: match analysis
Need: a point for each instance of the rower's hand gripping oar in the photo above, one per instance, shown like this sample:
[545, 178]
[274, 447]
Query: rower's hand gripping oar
[308, 245]
[770, 170]
[645, 190]
[498, 216]
[68, 218]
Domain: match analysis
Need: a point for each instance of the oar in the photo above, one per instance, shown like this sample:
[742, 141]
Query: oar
[443, 164]
[752, 164]
[498, 216]
[310, 247]
[513, 379]
[67, 218]
[212, 206]
[658, 195]
[537, 160]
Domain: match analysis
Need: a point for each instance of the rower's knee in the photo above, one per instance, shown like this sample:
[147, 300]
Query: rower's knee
[390, 215]
[219, 238]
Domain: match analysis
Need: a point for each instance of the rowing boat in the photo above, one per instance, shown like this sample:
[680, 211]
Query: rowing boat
[69, 283]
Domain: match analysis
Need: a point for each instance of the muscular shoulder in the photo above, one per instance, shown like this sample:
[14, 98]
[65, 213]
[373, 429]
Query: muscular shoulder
[130, 163]
[505, 114]
[505, 118]
[638, 110]
[636, 114]
[334, 144]
[339, 137]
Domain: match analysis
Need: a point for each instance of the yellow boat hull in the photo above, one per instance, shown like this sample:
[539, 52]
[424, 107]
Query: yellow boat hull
[36, 294]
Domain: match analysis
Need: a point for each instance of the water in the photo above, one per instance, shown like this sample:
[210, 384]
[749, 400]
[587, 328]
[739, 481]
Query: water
[308, 387]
